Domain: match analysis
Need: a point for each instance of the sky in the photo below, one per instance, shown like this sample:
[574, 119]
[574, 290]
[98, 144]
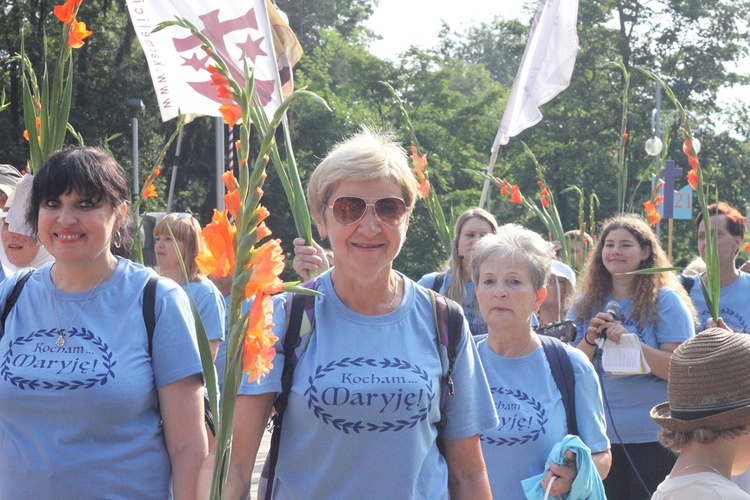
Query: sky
[403, 23]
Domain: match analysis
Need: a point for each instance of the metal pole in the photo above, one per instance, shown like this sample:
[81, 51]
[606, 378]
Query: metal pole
[136, 181]
[173, 179]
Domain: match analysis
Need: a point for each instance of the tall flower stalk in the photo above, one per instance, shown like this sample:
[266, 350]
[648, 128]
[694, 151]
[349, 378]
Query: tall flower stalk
[46, 109]
[419, 168]
[545, 208]
[711, 281]
[148, 191]
[235, 248]
[622, 165]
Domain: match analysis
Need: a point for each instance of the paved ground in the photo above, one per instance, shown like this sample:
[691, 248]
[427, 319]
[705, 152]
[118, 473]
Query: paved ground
[259, 461]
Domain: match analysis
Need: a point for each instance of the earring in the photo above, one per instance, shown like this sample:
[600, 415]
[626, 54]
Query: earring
[117, 239]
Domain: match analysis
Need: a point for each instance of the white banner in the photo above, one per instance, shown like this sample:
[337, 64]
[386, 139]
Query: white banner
[238, 30]
[546, 67]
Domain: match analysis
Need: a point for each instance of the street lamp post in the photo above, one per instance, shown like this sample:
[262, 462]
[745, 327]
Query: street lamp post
[133, 108]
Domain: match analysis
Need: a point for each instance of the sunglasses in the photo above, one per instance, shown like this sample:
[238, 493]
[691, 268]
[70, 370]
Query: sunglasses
[348, 210]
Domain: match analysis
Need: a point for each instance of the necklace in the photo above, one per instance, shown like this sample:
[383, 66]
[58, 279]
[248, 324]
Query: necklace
[61, 331]
[395, 291]
[697, 465]
[524, 349]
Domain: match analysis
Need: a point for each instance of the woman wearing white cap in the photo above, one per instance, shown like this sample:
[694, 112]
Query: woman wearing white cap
[21, 250]
[707, 416]
[560, 291]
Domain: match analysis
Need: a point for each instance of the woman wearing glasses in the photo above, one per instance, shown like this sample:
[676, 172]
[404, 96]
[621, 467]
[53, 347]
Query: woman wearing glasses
[363, 411]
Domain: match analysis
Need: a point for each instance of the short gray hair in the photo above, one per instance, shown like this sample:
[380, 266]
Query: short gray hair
[517, 243]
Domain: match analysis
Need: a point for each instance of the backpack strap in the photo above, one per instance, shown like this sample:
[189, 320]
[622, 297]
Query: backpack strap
[149, 318]
[438, 283]
[449, 321]
[687, 282]
[562, 373]
[303, 308]
[149, 310]
[13, 298]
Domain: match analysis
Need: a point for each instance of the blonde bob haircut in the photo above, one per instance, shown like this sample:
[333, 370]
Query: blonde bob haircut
[187, 230]
[518, 244]
[366, 156]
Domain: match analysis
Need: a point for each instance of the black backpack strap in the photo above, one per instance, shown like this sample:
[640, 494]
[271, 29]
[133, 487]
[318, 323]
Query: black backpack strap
[13, 298]
[300, 304]
[687, 282]
[149, 310]
[449, 325]
[562, 373]
[438, 283]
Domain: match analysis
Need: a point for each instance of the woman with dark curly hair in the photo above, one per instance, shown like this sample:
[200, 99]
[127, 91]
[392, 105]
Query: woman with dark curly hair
[657, 309]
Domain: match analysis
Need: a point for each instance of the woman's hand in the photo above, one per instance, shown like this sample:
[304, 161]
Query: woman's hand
[564, 475]
[308, 258]
[604, 323]
[713, 324]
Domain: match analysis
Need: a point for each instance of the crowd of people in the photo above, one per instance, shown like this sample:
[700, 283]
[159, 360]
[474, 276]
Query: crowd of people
[384, 395]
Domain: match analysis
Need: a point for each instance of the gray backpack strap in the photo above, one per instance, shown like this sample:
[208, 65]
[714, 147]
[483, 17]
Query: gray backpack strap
[562, 373]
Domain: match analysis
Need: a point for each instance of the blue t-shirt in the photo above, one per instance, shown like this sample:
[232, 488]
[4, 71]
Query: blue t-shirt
[211, 306]
[82, 420]
[532, 415]
[631, 397]
[470, 304]
[364, 404]
[734, 304]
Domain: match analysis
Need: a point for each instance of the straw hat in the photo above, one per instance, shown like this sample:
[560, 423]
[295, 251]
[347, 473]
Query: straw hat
[709, 383]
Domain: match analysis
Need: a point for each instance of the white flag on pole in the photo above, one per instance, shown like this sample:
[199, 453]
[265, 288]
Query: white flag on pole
[546, 67]
[238, 30]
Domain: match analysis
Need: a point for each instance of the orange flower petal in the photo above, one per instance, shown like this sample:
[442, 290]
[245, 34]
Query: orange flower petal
[216, 77]
[217, 259]
[262, 231]
[232, 202]
[26, 134]
[267, 263]
[230, 181]
[66, 12]
[157, 171]
[424, 189]
[649, 207]
[150, 192]
[654, 217]
[694, 163]
[258, 351]
[515, 196]
[545, 202]
[747, 247]
[504, 191]
[692, 178]
[78, 33]
[231, 114]
[659, 200]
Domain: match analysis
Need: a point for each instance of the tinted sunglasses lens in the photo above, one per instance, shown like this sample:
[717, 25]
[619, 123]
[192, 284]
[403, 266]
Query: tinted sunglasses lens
[390, 210]
[348, 209]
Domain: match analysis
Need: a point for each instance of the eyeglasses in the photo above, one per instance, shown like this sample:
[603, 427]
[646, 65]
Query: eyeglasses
[348, 210]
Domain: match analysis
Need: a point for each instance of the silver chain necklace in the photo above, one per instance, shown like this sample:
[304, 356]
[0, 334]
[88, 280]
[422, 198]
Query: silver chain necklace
[393, 298]
[698, 465]
[61, 331]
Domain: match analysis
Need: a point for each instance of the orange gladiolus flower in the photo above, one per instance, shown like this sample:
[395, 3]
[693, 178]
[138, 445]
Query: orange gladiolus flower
[687, 148]
[258, 351]
[262, 231]
[262, 213]
[229, 180]
[654, 217]
[150, 192]
[26, 134]
[267, 262]
[217, 259]
[231, 114]
[223, 92]
[504, 191]
[545, 202]
[649, 207]
[157, 171]
[659, 200]
[424, 189]
[747, 247]
[67, 11]
[694, 163]
[692, 178]
[216, 77]
[78, 33]
[232, 202]
[419, 162]
[515, 195]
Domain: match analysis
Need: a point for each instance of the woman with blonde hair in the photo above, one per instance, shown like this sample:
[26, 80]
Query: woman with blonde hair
[654, 307]
[455, 281]
[365, 395]
[208, 298]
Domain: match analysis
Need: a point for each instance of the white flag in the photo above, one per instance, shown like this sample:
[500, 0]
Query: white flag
[546, 67]
[238, 31]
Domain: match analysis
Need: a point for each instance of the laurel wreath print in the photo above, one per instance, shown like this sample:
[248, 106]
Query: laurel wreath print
[541, 419]
[347, 426]
[33, 384]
